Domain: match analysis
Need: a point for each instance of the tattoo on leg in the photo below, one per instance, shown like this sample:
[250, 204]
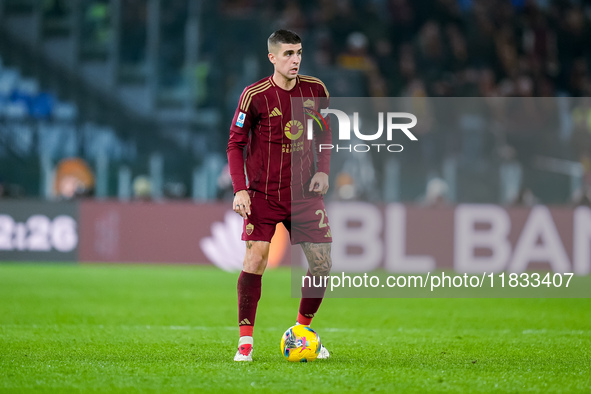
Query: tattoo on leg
[318, 256]
[249, 244]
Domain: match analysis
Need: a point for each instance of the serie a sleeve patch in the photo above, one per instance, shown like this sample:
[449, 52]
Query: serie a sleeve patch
[240, 120]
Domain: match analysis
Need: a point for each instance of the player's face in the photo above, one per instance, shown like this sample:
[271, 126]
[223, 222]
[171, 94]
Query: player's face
[287, 59]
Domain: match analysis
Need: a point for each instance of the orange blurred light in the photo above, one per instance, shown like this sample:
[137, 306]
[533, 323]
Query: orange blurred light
[279, 244]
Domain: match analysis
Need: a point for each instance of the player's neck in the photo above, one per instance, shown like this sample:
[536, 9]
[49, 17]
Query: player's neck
[282, 82]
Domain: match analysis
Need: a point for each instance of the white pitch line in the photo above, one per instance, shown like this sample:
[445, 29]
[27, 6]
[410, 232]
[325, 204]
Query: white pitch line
[265, 328]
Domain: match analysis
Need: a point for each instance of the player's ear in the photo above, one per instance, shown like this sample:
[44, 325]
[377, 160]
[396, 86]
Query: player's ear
[271, 58]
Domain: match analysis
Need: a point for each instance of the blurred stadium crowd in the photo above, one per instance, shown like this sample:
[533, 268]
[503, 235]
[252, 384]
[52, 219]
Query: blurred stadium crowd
[442, 47]
[376, 48]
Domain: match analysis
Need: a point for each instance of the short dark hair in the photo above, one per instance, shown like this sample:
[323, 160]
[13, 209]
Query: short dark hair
[283, 37]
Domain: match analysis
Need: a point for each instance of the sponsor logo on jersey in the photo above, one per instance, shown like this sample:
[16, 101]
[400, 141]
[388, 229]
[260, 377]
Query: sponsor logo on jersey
[294, 129]
[240, 121]
[275, 112]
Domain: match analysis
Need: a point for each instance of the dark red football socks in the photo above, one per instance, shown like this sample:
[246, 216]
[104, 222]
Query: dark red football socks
[311, 299]
[249, 293]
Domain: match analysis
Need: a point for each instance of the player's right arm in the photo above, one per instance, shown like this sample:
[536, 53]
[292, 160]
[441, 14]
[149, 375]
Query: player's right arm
[239, 130]
[242, 203]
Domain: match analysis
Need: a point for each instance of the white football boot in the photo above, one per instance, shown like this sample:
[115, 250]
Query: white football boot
[323, 354]
[244, 352]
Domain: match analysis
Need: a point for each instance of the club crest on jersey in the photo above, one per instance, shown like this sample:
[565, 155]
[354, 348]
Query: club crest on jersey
[249, 228]
[309, 103]
[240, 121]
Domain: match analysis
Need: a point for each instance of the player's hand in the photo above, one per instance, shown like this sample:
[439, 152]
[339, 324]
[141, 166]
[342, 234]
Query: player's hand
[319, 183]
[242, 203]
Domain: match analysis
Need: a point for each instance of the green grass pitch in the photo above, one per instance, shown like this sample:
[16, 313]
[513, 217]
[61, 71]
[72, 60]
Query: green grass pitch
[66, 328]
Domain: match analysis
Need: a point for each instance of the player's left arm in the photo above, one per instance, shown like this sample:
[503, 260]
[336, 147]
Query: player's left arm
[319, 183]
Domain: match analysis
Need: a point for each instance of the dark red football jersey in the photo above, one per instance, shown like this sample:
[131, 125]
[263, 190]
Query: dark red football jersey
[280, 159]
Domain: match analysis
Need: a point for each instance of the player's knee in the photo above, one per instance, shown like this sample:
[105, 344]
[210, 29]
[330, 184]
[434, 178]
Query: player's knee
[324, 270]
[255, 259]
[255, 263]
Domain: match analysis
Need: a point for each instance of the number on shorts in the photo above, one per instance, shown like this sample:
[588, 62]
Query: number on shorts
[322, 214]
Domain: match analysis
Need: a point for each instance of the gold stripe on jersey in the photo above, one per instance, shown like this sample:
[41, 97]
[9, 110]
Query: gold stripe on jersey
[255, 92]
[249, 93]
[307, 78]
[269, 154]
[251, 89]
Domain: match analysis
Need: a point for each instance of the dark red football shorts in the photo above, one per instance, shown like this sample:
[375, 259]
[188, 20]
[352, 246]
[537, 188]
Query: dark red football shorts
[305, 220]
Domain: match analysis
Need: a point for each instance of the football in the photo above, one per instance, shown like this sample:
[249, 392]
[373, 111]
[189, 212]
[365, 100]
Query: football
[300, 344]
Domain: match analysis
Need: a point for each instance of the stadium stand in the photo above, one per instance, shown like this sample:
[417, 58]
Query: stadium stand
[175, 78]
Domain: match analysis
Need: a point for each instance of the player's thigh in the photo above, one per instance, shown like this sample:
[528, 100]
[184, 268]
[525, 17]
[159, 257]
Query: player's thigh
[309, 222]
[256, 257]
[258, 230]
[262, 221]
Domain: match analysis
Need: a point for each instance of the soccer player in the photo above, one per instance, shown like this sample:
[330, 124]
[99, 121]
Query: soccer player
[286, 179]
